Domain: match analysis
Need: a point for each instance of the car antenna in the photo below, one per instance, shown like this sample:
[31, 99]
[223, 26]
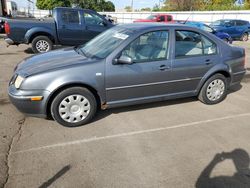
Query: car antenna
[188, 16]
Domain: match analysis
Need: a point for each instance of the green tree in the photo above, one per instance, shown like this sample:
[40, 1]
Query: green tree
[156, 8]
[146, 9]
[128, 9]
[247, 4]
[50, 4]
[187, 5]
[97, 5]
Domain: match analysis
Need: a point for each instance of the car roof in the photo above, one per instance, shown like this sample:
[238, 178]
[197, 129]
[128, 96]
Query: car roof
[76, 8]
[153, 25]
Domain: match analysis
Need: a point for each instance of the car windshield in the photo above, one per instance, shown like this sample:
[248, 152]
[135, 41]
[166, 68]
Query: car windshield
[151, 17]
[102, 45]
[208, 29]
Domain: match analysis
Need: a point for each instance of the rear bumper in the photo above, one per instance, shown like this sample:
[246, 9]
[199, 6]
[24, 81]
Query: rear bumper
[9, 41]
[237, 77]
[21, 99]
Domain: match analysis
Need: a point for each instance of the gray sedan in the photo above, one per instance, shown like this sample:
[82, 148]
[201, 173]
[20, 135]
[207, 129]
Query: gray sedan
[126, 65]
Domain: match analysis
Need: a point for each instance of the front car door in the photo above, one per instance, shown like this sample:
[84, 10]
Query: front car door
[194, 55]
[230, 28]
[147, 78]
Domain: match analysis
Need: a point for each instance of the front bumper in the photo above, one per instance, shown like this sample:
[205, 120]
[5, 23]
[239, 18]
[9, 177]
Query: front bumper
[21, 99]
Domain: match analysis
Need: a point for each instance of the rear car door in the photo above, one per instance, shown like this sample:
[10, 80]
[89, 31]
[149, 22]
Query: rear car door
[148, 77]
[194, 55]
[242, 27]
[69, 27]
[95, 24]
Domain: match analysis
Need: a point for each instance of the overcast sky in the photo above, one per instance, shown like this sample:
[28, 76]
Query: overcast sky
[118, 3]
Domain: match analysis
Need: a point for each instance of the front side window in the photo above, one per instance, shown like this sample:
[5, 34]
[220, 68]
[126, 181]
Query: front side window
[92, 19]
[189, 43]
[169, 18]
[151, 46]
[70, 16]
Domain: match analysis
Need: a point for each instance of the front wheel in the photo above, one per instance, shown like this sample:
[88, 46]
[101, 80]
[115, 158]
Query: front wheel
[74, 107]
[41, 44]
[214, 90]
[244, 37]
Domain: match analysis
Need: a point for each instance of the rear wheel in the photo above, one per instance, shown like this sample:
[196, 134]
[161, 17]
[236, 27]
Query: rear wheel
[214, 90]
[244, 37]
[74, 107]
[41, 44]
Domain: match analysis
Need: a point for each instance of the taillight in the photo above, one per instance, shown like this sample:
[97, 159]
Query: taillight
[7, 28]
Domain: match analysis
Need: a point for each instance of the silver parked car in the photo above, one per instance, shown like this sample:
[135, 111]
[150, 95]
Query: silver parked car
[126, 65]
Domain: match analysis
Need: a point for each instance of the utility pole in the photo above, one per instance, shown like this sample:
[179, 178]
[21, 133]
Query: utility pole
[132, 5]
[30, 2]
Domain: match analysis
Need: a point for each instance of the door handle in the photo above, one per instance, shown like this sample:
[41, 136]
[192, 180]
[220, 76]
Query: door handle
[208, 62]
[164, 67]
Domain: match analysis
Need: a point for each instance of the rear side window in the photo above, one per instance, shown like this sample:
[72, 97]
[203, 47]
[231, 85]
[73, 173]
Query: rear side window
[70, 16]
[241, 23]
[189, 43]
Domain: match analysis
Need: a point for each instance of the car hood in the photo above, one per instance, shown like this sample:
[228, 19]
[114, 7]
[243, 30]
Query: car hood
[222, 34]
[49, 61]
[218, 28]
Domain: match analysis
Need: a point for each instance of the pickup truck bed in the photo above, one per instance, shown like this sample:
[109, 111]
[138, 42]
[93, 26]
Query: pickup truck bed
[19, 29]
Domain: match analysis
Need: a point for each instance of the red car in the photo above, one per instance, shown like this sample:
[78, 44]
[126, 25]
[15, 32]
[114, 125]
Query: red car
[157, 18]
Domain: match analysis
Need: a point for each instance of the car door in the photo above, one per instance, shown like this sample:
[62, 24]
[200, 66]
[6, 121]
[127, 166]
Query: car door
[230, 28]
[194, 55]
[241, 27]
[69, 27]
[148, 77]
[95, 24]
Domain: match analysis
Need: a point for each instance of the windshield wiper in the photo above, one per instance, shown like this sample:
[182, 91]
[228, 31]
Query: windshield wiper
[80, 51]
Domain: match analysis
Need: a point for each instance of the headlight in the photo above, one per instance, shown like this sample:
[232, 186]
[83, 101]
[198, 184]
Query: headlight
[18, 81]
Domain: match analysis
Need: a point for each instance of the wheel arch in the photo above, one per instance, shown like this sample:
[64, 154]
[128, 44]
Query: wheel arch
[69, 85]
[37, 31]
[223, 72]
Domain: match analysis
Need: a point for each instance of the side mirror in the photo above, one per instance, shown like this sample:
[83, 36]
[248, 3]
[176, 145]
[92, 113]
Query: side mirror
[123, 60]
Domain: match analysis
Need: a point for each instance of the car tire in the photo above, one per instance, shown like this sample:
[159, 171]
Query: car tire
[225, 40]
[41, 44]
[214, 90]
[244, 37]
[74, 107]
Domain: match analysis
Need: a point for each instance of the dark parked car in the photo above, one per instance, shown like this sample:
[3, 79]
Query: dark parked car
[126, 65]
[237, 29]
[224, 36]
[67, 27]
